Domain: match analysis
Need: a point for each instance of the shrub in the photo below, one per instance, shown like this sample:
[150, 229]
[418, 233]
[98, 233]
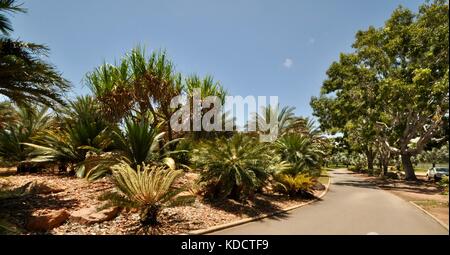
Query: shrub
[354, 168]
[82, 128]
[300, 184]
[236, 167]
[149, 189]
[301, 152]
[27, 126]
[139, 142]
[443, 184]
[392, 175]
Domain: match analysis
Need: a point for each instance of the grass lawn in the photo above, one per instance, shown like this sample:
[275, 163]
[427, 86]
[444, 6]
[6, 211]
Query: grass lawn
[422, 170]
[431, 203]
[323, 179]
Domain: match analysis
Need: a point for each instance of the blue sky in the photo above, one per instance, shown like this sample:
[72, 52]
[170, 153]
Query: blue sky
[260, 48]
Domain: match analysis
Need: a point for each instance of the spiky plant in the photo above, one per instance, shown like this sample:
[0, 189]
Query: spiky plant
[235, 167]
[8, 6]
[29, 124]
[147, 188]
[137, 83]
[284, 117]
[300, 184]
[138, 142]
[81, 129]
[7, 114]
[301, 152]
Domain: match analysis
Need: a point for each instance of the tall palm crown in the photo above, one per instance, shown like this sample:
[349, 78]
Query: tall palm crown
[8, 6]
[24, 76]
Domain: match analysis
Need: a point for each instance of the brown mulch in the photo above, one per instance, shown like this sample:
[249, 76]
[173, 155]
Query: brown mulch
[77, 193]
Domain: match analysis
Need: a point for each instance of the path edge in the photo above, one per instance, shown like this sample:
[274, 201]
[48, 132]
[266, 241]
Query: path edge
[251, 219]
[429, 214]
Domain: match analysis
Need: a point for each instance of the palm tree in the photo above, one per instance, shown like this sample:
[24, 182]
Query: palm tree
[8, 6]
[285, 118]
[137, 83]
[6, 114]
[24, 77]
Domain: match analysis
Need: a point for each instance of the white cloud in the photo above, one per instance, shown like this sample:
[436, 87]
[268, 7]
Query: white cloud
[288, 63]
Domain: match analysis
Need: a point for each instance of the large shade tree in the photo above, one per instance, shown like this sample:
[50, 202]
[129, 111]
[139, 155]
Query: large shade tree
[398, 72]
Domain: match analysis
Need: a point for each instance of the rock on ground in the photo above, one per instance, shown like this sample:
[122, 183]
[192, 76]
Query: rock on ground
[47, 220]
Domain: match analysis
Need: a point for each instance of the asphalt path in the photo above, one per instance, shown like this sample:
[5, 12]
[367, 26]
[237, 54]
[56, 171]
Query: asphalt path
[352, 206]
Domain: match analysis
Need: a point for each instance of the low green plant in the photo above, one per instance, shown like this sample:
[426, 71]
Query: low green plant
[235, 167]
[298, 185]
[28, 124]
[443, 184]
[81, 129]
[147, 188]
[301, 152]
[139, 142]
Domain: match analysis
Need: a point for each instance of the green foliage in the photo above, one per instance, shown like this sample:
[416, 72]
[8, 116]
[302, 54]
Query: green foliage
[26, 78]
[301, 152]
[11, 193]
[392, 91]
[137, 83]
[8, 6]
[7, 114]
[206, 86]
[7, 228]
[443, 184]
[81, 129]
[285, 117]
[299, 184]
[28, 125]
[138, 143]
[358, 162]
[235, 167]
[148, 188]
[435, 155]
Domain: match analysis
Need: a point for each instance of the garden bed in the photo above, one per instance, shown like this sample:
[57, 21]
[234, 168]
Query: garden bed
[72, 194]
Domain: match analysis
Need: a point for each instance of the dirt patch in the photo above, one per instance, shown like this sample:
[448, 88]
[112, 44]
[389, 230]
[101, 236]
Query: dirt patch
[77, 194]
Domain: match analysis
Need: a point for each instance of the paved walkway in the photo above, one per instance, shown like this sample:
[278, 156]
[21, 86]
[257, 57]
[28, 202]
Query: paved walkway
[352, 206]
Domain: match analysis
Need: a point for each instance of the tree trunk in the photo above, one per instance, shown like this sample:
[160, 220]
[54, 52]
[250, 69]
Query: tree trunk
[385, 168]
[370, 158]
[408, 167]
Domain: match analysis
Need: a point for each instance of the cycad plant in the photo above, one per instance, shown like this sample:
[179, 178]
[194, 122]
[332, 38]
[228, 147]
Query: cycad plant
[147, 188]
[137, 142]
[301, 152]
[140, 142]
[299, 184]
[28, 125]
[80, 129]
[7, 114]
[235, 167]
